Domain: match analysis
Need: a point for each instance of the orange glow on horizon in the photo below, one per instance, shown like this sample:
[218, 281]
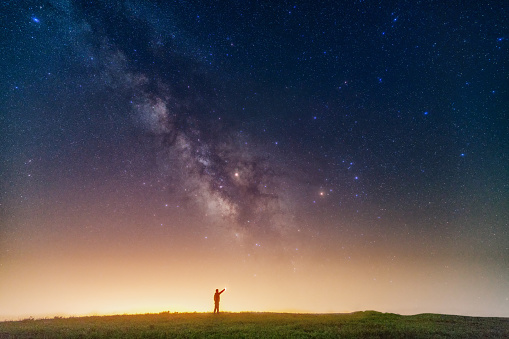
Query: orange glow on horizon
[166, 272]
[118, 283]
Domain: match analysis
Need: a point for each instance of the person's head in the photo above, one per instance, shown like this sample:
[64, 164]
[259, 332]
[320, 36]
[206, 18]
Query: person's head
[217, 290]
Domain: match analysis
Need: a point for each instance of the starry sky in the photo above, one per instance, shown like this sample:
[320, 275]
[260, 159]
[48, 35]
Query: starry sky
[309, 156]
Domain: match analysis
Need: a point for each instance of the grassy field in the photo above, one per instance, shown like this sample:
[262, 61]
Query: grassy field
[255, 325]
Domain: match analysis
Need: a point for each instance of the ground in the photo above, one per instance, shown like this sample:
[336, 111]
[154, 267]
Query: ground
[250, 325]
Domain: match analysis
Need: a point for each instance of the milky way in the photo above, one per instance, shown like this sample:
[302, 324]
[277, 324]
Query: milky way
[205, 162]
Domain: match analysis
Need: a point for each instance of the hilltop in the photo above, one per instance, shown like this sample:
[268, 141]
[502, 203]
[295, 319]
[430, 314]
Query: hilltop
[250, 325]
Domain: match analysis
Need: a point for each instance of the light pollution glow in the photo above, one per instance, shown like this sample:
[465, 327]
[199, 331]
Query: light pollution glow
[74, 274]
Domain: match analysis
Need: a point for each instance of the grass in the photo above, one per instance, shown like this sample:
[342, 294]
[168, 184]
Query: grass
[260, 325]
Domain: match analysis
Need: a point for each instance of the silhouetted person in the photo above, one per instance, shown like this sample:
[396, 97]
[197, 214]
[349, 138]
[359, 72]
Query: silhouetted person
[216, 300]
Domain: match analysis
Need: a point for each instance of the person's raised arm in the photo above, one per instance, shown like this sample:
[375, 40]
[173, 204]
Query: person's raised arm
[222, 290]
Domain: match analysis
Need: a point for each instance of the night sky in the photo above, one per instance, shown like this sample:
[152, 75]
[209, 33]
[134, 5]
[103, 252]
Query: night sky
[309, 156]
